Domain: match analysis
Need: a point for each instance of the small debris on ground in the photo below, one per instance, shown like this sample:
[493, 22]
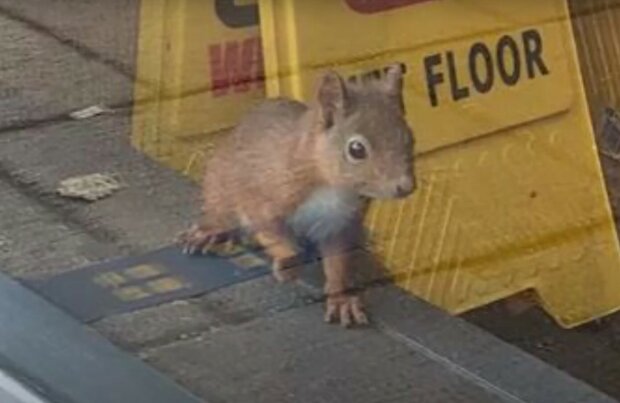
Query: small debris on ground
[89, 187]
[609, 134]
[545, 345]
[4, 242]
[89, 112]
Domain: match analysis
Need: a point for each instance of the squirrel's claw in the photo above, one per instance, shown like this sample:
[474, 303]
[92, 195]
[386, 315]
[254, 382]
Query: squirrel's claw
[347, 308]
[199, 240]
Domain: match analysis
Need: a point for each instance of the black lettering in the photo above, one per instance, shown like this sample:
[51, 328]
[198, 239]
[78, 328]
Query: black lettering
[375, 74]
[372, 75]
[482, 82]
[532, 43]
[402, 66]
[236, 16]
[506, 42]
[433, 78]
[458, 93]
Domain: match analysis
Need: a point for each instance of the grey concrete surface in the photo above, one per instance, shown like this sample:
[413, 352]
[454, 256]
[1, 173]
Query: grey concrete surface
[182, 320]
[292, 357]
[153, 206]
[59, 79]
[102, 31]
[38, 241]
[254, 342]
[413, 353]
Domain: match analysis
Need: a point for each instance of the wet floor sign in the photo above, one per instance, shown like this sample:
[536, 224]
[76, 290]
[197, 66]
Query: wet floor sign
[512, 195]
[199, 68]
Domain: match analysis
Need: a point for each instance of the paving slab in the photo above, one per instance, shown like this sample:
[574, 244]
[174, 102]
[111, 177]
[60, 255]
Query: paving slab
[293, 357]
[590, 353]
[182, 320]
[41, 79]
[102, 31]
[37, 241]
[154, 204]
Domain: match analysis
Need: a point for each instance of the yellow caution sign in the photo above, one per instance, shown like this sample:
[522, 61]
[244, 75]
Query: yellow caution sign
[200, 68]
[512, 195]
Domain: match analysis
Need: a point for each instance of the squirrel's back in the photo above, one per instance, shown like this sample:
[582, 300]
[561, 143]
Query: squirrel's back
[291, 169]
[352, 141]
[256, 163]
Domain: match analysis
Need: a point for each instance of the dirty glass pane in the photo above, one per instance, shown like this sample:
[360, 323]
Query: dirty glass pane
[309, 201]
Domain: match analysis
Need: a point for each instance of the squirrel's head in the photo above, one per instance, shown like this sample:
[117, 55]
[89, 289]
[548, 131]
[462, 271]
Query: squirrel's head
[366, 144]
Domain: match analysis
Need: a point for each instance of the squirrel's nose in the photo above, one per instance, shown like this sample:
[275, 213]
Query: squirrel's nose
[405, 186]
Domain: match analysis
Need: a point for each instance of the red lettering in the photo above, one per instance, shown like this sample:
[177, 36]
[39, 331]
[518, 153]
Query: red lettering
[259, 64]
[220, 70]
[237, 65]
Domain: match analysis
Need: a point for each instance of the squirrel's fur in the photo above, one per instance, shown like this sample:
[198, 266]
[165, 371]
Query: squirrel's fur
[293, 170]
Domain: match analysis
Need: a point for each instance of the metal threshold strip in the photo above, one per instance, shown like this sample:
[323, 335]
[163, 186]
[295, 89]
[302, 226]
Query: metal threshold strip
[48, 357]
[13, 391]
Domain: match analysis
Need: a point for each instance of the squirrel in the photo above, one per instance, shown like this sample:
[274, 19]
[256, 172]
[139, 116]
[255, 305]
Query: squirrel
[290, 170]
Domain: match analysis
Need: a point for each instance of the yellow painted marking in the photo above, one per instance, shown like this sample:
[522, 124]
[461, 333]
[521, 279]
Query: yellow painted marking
[143, 271]
[248, 261]
[131, 293]
[165, 285]
[110, 280]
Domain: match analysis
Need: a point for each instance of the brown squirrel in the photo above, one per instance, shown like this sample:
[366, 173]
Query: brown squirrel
[292, 170]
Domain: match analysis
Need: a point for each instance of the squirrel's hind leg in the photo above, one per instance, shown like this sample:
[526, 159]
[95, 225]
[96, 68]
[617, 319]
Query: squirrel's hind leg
[272, 236]
[283, 253]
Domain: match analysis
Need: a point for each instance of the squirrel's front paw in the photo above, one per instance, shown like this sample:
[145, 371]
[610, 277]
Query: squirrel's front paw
[200, 240]
[348, 309]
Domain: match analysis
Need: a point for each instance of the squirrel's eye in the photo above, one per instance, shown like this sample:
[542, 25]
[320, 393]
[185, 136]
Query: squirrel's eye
[356, 150]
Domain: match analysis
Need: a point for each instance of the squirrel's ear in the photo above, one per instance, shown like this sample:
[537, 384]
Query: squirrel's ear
[332, 97]
[394, 82]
